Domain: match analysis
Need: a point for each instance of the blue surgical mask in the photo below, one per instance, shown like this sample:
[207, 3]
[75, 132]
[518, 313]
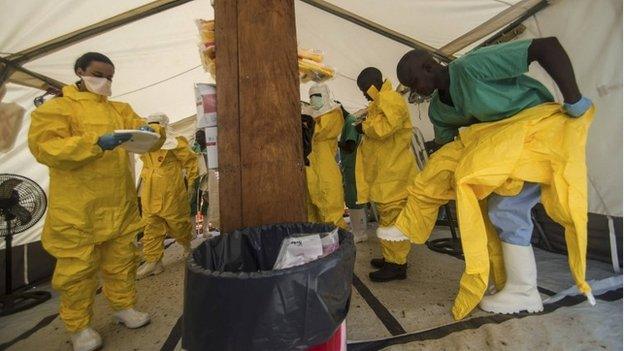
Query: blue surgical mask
[316, 102]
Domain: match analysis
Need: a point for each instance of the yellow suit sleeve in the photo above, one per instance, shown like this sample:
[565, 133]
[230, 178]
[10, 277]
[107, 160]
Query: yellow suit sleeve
[390, 118]
[134, 121]
[51, 141]
[187, 158]
[329, 126]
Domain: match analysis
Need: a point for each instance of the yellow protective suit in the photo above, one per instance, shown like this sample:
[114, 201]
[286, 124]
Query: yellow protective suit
[164, 197]
[325, 193]
[392, 251]
[540, 145]
[93, 213]
[385, 163]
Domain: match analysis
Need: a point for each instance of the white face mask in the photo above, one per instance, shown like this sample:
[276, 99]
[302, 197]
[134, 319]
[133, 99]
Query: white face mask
[97, 85]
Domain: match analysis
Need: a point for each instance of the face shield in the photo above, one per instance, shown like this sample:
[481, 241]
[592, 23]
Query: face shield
[320, 100]
[159, 118]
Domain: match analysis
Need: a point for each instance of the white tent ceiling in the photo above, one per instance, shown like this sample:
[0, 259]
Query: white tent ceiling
[433, 22]
[157, 61]
[156, 57]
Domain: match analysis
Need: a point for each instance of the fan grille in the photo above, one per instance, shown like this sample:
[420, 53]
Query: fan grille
[31, 197]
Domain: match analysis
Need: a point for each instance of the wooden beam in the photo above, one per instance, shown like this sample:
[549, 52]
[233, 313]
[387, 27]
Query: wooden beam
[24, 79]
[19, 75]
[273, 176]
[516, 27]
[505, 36]
[510, 15]
[261, 171]
[63, 41]
[228, 138]
[377, 28]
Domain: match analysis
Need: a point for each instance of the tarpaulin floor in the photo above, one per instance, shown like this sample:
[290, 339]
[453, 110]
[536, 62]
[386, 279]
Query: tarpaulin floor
[403, 315]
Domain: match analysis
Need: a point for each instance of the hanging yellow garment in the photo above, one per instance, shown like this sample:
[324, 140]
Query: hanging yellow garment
[324, 180]
[539, 145]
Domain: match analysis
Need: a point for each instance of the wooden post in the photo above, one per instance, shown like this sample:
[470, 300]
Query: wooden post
[261, 174]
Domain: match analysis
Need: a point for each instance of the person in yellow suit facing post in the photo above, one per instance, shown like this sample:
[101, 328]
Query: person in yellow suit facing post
[385, 164]
[164, 197]
[93, 216]
[325, 193]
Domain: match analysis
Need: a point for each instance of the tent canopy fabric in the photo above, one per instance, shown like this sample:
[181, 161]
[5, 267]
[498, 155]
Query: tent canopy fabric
[157, 61]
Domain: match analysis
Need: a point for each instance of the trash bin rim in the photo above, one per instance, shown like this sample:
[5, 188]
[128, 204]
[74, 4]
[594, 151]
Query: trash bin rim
[192, 266]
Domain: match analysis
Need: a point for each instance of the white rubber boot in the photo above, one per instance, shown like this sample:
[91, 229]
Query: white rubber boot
[520, 291]
[132, 318]
[358, 224]
[149, 269]
[86, 340]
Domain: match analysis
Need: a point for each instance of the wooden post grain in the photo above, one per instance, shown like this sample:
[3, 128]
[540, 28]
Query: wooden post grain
[261, 175]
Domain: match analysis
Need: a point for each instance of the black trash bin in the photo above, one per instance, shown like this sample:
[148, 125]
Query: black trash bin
[233, 300]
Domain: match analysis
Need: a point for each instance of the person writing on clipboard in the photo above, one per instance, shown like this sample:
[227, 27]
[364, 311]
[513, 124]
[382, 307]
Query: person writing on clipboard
[93, 216]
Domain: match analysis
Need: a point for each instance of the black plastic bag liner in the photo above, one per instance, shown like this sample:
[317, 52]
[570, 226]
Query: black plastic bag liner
[233, 300]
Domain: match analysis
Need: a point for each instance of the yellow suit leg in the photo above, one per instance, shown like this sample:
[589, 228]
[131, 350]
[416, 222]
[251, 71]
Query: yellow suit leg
[154, 238]
[75, 278]
[392, 251]
[118, 265]
[180, 229]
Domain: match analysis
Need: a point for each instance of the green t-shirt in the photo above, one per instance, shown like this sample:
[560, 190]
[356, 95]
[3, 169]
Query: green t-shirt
[487, 85]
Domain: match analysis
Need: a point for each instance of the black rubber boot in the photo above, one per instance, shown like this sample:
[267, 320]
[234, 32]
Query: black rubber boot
[378, 262]
[389, 272]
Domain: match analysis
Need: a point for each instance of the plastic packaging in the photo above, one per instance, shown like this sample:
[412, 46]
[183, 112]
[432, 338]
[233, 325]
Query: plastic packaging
[206, 30]
[207, 50]
[300, 249]
[233, 300]
[310, 54]
[330, 242]
[313, 71]
[311, 67]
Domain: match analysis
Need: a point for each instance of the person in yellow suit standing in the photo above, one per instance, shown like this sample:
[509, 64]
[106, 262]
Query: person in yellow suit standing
[384, 165]
[325, 193]
[164, 197]
[93, 216]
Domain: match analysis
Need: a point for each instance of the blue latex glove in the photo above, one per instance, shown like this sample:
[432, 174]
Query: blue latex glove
[147, 128]
[578, 108]
[110, 141]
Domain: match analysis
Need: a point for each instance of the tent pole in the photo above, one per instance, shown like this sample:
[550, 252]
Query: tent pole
[515, 14]
[9, 67]
[512, 26]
